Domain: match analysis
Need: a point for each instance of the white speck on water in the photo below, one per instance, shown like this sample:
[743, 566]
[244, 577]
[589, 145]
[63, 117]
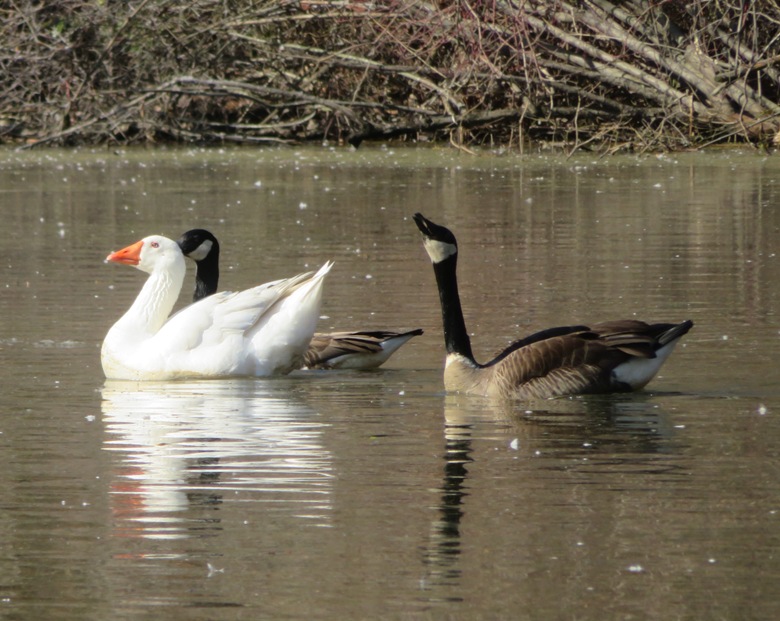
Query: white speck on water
[369, 276]
[725, 337]
[711, 561]
[214, 570]
[514, 444]
[762, 410]
[635, 569]
[302, 205]
[258, 184]
[401, 393]
[90, 417]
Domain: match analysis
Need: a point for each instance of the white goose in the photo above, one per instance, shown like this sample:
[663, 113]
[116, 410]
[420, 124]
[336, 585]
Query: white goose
[261, 331]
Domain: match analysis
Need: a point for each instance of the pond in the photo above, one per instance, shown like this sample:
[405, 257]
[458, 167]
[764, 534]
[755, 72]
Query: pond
[354, 495]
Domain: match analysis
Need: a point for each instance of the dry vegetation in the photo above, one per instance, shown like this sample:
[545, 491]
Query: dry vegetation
[662, 74]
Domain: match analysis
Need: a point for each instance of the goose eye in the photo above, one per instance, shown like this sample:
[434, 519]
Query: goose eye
[155, 245]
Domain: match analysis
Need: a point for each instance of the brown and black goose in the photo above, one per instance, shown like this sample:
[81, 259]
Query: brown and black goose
[614, 356]
[363, 349]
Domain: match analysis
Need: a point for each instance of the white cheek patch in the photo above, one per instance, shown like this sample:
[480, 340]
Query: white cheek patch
[202, 251]
[439, 251]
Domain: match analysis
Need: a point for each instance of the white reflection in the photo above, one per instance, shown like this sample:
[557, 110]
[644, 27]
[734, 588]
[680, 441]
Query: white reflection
[190, 447]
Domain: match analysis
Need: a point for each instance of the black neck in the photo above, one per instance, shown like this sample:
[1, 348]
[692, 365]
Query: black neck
[456, 338]
[206, 276]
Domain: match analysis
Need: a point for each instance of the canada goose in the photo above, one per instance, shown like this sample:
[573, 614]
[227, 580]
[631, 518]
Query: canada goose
[260, 331]
[365, 349]
[615, 356]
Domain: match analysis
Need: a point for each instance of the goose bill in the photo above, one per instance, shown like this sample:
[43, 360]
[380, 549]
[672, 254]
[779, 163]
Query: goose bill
[131, 255]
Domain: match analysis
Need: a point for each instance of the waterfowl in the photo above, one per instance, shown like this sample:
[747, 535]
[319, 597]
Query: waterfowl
[261, 331]
[364, 349]
[615, 356]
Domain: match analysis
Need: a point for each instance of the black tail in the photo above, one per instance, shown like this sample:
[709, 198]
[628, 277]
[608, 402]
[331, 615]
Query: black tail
[674, 333]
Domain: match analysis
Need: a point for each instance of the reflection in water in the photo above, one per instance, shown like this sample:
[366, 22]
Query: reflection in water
[596, 437]
[189, 447]
[443, 555]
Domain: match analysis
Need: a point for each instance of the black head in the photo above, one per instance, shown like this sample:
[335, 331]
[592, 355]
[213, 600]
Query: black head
[439, 242]
[434, 231]
[197, 244]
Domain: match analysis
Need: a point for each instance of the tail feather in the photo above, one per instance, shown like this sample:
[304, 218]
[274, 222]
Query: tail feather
[674, 333]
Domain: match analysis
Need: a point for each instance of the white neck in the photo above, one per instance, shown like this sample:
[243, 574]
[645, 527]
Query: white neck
[157, 297]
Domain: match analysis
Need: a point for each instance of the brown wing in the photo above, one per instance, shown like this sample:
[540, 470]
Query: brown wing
[579, 359]
[570, 364]
[637, 338]
[324, 347]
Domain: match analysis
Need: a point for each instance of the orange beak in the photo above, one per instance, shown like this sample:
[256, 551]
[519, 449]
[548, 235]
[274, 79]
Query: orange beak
[129, 256]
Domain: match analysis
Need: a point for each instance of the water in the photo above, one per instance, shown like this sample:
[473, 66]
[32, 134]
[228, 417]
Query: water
[364, 495]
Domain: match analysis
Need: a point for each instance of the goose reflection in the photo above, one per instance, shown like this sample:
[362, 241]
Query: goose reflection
[187, 450]
[602, 437]
[442, 555]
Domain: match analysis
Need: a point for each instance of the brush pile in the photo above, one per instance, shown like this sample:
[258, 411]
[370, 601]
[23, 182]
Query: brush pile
[632, 75]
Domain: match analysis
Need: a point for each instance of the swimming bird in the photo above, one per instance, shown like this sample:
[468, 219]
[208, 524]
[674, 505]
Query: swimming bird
[260, 331]
[362, 349]
[614, 356]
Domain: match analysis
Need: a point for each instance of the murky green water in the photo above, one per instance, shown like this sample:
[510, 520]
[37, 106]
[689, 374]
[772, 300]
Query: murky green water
[374, 495]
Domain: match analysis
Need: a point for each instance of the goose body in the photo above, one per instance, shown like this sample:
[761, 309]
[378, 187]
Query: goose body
[261, 331]
[614, 356]
[367, 349]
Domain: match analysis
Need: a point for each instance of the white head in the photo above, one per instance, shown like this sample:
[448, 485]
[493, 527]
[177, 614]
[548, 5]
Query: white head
[150, 254]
